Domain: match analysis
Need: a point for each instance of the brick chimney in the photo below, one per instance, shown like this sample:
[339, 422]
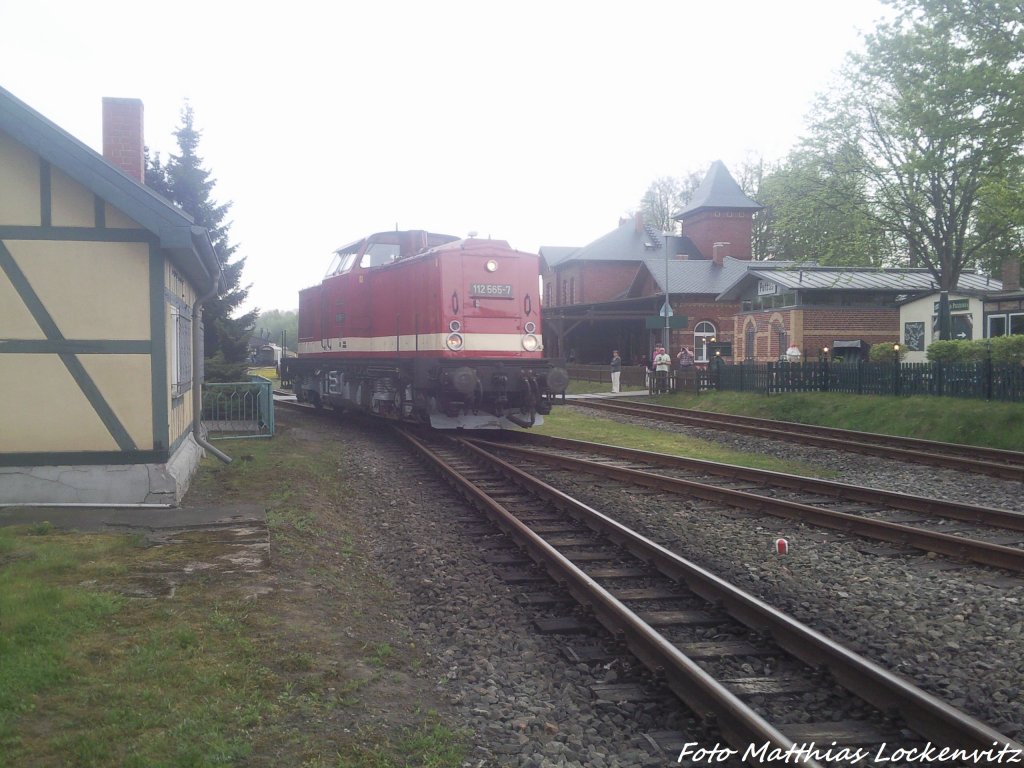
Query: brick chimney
[1011, 273]
[122, 136]
[718, 253]
[638, 221]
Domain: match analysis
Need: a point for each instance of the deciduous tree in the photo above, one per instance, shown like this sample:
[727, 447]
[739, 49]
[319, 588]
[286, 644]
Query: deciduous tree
[929, 124]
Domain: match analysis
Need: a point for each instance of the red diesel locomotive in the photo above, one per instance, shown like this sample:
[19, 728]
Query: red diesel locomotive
[425, 327]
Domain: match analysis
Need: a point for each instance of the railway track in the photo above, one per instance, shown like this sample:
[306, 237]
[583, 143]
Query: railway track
[1008, 465]
[770, 684]
[984, 535]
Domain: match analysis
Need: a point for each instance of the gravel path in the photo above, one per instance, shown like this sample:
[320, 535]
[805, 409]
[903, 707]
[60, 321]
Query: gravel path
[956, 631]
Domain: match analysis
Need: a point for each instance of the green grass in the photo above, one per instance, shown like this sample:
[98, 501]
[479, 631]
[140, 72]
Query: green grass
[432, 744]
[950, 420]
[210, 676]
[591, 426]
[89, 678]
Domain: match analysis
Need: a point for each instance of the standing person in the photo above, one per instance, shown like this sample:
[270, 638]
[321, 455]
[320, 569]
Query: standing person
[616, 365]
[684, 359]
[662, 362]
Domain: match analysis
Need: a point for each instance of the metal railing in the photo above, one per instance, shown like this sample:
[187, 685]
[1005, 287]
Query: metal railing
[983, 380]
[239, 409]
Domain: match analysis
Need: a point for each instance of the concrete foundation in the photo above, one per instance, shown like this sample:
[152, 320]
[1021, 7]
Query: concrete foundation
[103, 483]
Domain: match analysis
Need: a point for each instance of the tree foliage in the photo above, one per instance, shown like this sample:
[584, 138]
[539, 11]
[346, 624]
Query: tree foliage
[928, 125]
[271, 325]
[816, 212]
[187, 184]
[665, 196]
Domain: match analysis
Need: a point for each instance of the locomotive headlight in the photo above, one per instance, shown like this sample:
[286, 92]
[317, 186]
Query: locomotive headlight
[454, 342]
[530, 327]
[492, 265]
[455, 326]
[531, 343]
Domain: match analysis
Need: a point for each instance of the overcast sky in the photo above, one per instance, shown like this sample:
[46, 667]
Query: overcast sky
[540, 123]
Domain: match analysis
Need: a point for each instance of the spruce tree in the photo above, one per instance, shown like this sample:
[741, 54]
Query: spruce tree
[186, 183]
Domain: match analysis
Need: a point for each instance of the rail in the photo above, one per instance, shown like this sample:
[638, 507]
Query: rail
[925, 714]
[1004, 464]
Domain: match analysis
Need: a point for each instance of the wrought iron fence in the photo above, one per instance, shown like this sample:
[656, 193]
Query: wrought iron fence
[981, 380]
[239, 409]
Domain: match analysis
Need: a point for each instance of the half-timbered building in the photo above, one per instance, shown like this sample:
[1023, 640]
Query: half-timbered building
[101, 286]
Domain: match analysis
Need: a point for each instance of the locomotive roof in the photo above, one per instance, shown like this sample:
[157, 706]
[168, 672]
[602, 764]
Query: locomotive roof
[396, 236]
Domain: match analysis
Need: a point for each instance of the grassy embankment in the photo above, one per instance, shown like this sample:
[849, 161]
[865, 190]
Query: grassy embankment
[946, 419]
[310, 672]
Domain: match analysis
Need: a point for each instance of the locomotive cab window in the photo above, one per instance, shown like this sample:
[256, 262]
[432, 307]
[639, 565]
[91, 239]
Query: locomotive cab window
[341, 263]
[379, 254]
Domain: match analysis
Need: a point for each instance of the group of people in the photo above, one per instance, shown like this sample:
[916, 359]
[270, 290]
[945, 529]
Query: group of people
[661, 364]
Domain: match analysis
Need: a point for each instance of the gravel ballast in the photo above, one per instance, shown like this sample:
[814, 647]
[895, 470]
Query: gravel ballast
[956, 630]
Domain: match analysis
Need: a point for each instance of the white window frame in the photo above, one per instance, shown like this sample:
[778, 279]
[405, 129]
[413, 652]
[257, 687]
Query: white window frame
[700, 339]
[181, 351]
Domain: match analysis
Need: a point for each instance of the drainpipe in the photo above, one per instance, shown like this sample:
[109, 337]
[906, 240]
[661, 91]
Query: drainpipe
[197, 314]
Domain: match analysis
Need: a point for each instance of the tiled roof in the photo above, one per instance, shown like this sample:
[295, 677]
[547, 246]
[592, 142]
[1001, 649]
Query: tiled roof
[796, 277]
[718, 190]
[625, 243]
[698, 276]
[555, 254]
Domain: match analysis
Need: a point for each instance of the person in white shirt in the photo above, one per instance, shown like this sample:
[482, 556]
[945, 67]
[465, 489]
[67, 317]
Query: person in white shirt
[662, 363]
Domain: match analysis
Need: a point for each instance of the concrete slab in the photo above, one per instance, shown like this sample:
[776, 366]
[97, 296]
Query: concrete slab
[156, 519]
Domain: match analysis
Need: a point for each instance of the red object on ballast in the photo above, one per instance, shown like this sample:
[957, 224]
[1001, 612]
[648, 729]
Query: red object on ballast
[781, 546]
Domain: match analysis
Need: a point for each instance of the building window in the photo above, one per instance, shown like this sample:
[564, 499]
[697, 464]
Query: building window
[749, 340]
[996, 326]
[1002, 325]
[547, 295]
[572, 290]
[181, 352]
[782, 338]
[961, 327]
[703, 332]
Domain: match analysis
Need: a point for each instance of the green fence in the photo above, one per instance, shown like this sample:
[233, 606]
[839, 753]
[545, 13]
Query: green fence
[239, 409]
[982, 380]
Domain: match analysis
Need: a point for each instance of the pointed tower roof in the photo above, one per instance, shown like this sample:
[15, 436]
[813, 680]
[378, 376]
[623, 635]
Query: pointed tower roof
[718, 190]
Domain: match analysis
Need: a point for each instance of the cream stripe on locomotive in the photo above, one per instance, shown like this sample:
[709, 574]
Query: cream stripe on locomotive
[425, 342]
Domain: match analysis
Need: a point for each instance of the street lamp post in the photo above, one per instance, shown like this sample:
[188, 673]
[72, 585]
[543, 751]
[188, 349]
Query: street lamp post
[668, 309]
[896, 368]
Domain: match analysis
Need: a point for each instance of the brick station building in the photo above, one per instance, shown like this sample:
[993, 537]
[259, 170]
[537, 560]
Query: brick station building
[844, 309]
[610, 294]
[604, 295]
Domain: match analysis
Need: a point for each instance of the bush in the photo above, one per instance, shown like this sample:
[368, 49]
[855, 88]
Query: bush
[1008, 349]
[883, 353]
[218, 369]
[1004, 349]
[943, 351]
